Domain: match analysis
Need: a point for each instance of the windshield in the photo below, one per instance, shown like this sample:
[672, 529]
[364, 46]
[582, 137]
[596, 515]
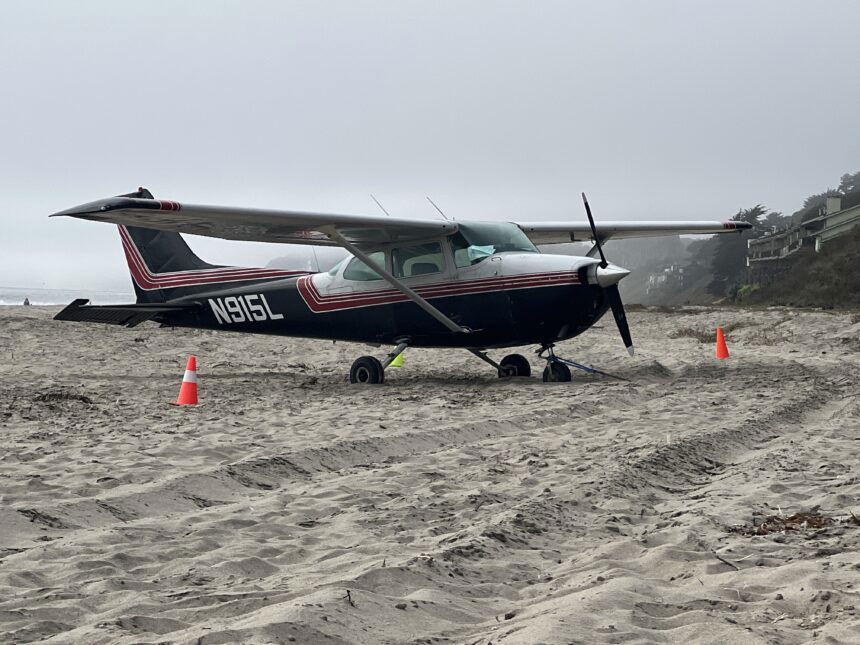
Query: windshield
[476, 241]
[333, 271]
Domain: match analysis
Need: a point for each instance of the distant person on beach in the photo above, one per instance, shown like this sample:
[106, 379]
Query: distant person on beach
[26, 302]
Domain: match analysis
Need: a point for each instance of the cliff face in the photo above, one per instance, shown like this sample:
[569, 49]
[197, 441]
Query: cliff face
[829, 278]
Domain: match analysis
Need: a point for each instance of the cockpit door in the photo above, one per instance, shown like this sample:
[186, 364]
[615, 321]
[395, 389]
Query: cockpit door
[479, 271]
[425, 267]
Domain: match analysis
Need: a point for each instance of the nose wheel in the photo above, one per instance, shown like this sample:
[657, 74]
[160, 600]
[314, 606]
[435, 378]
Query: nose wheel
[556, 372]
[558, 369]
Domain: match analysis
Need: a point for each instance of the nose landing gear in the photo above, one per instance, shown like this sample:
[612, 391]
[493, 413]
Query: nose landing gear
[558, 369]
[556, 372]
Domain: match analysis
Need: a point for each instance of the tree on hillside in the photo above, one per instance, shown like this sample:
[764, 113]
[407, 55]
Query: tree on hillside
[775, 219]
[849, 183]
[730, 251]
[812, 205]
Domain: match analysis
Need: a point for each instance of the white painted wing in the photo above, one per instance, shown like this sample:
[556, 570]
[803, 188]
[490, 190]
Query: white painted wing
[255, 224]
[565, 232]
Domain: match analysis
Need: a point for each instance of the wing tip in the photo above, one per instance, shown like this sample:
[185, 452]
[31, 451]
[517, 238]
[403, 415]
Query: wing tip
[732, 225]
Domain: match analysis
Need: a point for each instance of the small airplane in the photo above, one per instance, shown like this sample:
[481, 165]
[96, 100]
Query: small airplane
[475, 285]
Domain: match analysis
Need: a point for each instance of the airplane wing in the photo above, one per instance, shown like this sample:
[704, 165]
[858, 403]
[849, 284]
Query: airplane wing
[566, 232]
[257, 225]
[299, 227]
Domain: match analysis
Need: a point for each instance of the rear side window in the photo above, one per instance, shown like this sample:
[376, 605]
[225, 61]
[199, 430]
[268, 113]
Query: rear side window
[359, 271]
[418, 259]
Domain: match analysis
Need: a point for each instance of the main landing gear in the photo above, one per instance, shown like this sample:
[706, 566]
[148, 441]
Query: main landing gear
[514, 365]
[368, 370]
[510, 365]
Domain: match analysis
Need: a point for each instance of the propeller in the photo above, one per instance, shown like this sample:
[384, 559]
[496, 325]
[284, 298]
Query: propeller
[611, 290]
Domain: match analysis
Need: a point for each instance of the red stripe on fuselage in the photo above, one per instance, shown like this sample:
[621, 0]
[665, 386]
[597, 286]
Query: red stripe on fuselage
[319, 303]
[563, 276]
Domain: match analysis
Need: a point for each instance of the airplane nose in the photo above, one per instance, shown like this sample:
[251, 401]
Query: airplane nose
[610, 274]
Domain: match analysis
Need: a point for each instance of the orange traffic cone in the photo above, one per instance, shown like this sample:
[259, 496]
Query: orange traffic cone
[722, 350]
[188, 391]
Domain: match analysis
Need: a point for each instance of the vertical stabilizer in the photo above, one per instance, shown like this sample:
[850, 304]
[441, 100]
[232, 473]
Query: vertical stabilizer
[164, 267]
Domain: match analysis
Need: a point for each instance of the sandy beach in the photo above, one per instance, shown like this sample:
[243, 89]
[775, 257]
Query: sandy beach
[446, 506]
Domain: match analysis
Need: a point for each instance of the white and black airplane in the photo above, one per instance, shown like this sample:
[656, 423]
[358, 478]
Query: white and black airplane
[475, 285]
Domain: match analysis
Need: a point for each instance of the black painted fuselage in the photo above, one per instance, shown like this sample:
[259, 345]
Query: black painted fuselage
[498, 316]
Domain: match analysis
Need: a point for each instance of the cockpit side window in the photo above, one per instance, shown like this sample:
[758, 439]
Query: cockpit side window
[460, 247]
[359, 271]
[417, 259]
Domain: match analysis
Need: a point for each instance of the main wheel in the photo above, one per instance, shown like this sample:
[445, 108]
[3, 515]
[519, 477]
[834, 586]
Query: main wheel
[514, 365]
[366, 370]
[556, 373]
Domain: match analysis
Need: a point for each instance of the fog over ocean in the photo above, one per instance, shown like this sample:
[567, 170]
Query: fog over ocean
[16, 295]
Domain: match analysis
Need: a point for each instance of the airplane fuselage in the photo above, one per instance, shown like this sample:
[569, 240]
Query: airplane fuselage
[507, 300]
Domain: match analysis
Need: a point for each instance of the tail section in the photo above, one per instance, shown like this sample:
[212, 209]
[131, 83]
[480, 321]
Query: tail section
[164, 267]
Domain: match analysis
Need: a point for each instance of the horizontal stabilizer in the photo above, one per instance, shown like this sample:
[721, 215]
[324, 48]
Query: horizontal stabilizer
[128, 315]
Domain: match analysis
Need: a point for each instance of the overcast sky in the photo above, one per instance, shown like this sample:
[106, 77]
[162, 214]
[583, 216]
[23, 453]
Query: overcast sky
[495, 109]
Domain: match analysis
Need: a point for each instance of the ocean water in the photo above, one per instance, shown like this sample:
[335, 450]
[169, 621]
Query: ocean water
[16, 295]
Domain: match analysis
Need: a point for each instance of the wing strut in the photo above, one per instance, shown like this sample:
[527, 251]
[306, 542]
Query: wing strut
[397, 284]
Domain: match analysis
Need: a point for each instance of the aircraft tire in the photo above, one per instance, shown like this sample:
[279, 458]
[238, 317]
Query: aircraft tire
[556, 373]
[514, 365]
[366, 371]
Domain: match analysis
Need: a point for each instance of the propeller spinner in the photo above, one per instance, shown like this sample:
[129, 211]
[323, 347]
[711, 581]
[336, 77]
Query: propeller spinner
[608, 276]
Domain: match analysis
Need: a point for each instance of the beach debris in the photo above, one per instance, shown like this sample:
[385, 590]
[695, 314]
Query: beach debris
[38, 517]
[797, 522]
[706, 336]
[59, 396]
[188, 389]
[724, 561]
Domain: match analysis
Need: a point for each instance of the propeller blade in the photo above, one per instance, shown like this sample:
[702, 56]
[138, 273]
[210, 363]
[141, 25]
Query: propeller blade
[612, 290]
[597, 244]
[620, 317]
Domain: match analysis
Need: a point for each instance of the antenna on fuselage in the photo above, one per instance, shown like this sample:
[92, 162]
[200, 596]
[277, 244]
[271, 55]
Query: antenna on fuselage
[380, 205]
[437, 208]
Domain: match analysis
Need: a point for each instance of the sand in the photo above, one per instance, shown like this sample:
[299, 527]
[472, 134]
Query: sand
[446, 506]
